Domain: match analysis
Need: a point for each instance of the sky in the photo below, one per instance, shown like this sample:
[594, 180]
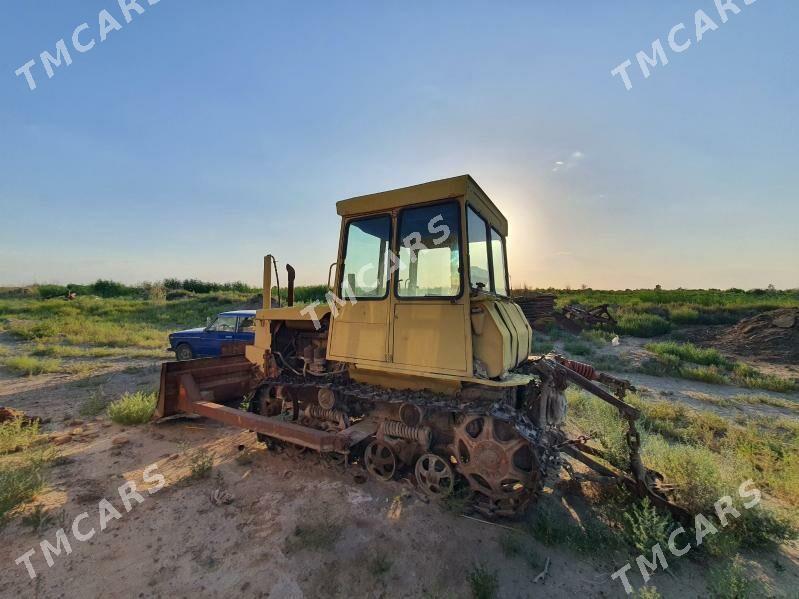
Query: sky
[201, 136]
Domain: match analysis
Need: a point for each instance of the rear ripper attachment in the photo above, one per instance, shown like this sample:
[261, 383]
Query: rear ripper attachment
[639, 479]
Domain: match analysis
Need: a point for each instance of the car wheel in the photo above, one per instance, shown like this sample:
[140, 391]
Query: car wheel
[183, 352]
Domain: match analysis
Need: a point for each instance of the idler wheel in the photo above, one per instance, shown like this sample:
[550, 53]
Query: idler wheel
[380, 460]
[434, 476]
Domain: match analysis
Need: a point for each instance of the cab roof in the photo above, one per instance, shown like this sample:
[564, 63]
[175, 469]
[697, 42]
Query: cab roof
[454, 187]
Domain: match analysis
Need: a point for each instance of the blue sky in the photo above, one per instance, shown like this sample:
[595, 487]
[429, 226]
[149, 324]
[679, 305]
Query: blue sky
[203, 135]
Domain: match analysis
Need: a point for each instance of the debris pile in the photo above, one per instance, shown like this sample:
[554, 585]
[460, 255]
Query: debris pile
[536, 306]
[770, 336]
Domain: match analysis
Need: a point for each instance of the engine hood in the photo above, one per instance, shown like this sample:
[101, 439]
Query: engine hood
[199, 331]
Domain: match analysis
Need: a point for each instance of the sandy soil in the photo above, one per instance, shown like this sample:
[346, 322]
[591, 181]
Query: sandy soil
[178, 542]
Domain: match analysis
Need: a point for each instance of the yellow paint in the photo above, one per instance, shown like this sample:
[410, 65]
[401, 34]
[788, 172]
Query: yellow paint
[421, 342]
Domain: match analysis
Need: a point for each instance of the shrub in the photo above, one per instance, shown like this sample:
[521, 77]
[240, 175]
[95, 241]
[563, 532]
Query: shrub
[646, 526]
[133, 408]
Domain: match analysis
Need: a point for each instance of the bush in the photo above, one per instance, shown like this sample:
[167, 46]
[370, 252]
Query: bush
[646, 526]
[133, 408]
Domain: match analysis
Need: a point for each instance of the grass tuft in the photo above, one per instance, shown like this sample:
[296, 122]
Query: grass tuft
[483, 582]
[18, 435]
[133, 408]
[689, 353]
[201, 462]
[29, 365]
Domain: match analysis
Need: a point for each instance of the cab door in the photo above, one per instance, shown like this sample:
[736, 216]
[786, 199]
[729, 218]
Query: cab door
[430, 308]
[360, 322]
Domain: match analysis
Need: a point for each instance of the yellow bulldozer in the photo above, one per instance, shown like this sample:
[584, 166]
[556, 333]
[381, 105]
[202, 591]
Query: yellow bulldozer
[419, 362]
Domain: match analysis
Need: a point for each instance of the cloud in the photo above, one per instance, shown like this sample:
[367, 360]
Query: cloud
[569, 163]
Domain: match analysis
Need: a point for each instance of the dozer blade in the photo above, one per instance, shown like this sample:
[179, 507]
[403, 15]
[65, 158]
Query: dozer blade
[203, 387]
[217, 380]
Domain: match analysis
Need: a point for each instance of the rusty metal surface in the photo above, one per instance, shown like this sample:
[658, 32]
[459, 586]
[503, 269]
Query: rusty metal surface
[222, 379]
[585, 317]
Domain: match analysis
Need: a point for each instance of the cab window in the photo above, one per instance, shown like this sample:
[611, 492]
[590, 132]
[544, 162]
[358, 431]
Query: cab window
[366, 258]
[478, 250]
[429, 252]
[498, 262]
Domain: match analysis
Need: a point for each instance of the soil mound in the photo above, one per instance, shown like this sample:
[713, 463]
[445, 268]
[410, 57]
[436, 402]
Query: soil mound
[770, 336]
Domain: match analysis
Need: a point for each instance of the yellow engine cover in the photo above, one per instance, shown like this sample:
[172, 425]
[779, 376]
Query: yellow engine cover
[501, 336]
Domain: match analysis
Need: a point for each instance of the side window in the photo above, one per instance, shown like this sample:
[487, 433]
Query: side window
[365, 273]
[498, 262]
[478, 250]
[429, 251]
[224, 324]
[247, 324]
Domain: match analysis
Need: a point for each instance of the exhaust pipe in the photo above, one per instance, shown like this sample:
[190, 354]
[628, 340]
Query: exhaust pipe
[267, 292]
[290, 289]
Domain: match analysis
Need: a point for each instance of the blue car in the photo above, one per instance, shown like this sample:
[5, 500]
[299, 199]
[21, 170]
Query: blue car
[228, 328]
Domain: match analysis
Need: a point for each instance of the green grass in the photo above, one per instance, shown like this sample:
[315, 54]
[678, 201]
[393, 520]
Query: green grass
[578, 347]
[133, 408]
[705, 374]
[19, 483]
[732, 581]
[70, 351]
[29, 365]
[23, 463]
[688, 361]
[706, 457]
[17, 435]
[201, 462]
[768, 400]
[94, 405]
[642, 324]
[653, 312]
[689, 353]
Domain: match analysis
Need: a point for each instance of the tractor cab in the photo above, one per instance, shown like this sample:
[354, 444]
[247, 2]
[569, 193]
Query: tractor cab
[422, 272]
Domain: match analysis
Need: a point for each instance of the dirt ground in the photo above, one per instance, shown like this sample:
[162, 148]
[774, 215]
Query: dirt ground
[387, 541]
